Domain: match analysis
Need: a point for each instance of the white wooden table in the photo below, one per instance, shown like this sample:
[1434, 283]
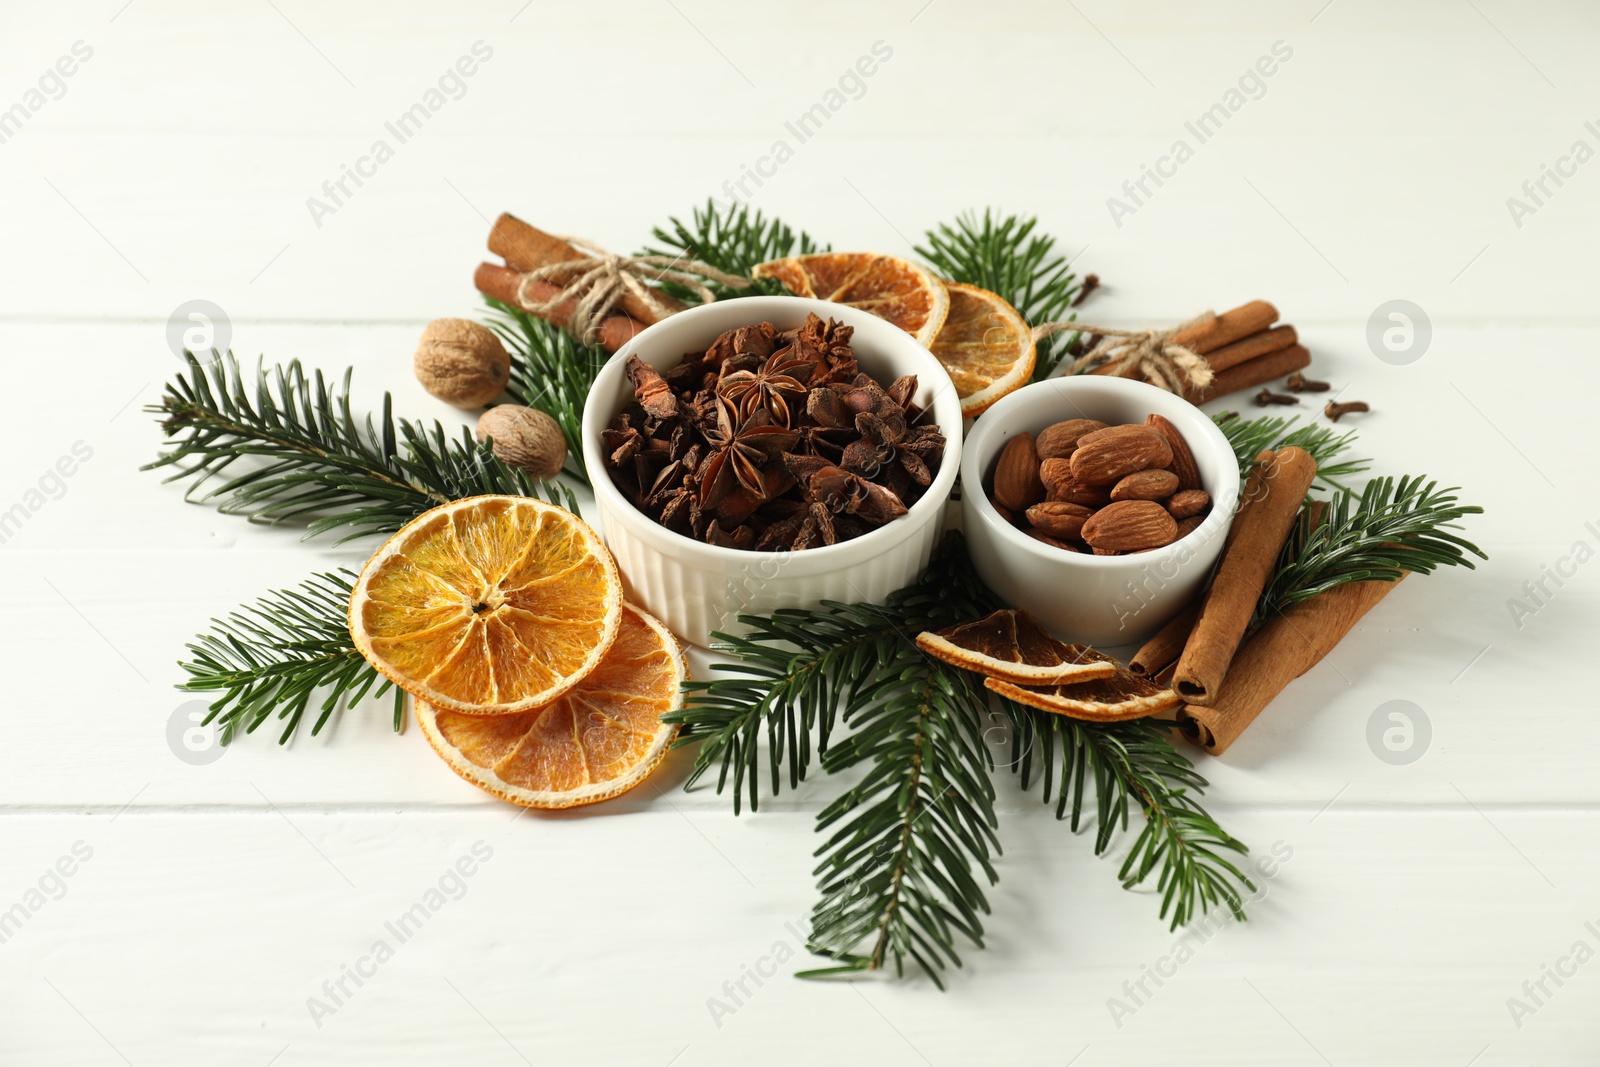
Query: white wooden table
[207, 902]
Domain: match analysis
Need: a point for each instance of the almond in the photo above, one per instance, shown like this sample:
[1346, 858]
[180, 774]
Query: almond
[1182, 464]
[1188, 502]
[1045, 538]
[1106, 456]
[1188, 526]
[1146, 485]
[1059, 485]
[1058, 518]
[1058, 440]
[1016, 474]
[1130, 525]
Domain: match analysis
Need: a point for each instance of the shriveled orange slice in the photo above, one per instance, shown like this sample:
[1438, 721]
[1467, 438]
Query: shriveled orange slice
[601, 739]
[488, 605]
[1011, 645]
[889, 287]
[985, 345]
[1122, 696]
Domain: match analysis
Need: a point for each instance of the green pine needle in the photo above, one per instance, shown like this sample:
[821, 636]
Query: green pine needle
[734, 240]
[1006, 256]
[1251, 437]
[902, 875]
[308, 459]
[1392, 527]
[274, 655]
[1134, 765]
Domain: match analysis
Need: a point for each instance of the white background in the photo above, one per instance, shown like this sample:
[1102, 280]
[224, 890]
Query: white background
[1376, 166]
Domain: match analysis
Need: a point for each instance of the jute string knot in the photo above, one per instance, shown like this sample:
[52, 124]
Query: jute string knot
[598, 279]
[1140, 353]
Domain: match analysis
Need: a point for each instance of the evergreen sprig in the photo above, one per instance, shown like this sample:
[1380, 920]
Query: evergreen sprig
[1391, 527]
[1134, 766]
[274, 655]
[1251, 437]
[310, 459]
[733, 239]
[902, 875]
[1006, 256]
[552, 371]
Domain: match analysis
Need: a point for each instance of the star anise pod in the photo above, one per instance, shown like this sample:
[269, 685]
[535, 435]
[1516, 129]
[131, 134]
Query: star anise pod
[827, 426]
[890, 440]
[771, 386]
[739, 450]
[826, 343]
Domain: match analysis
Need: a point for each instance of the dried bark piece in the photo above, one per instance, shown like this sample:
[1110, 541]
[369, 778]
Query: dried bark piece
[1010, 644]
[652, 390]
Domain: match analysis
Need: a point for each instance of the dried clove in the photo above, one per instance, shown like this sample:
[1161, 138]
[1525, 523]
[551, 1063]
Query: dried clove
[1091, 282]
[1299, 383]
[1267, 396]
[1335, 410]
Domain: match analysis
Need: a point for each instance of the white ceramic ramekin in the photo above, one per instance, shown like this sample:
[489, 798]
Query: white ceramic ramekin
[697, 588]
[1099, 600]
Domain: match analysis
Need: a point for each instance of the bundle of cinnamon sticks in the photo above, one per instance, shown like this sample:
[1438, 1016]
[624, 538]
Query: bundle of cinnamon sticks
[526, 248]
[1244, 349]
[1225, 676]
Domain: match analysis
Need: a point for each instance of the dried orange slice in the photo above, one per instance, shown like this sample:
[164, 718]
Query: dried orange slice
[1011, 645]
[488, 605]
[1122, 696]
[889, 287]
[601, 739]
[985, 345]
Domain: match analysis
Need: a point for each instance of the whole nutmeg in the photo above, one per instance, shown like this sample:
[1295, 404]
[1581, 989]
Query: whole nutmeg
[462, 363]
[525, 438]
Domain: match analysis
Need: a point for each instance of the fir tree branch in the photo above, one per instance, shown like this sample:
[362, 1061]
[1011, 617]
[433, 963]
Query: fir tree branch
[1251, 437]
[902, 873]
[1007, 257]
[734, 240]
[1391, 528]
[1134, 765]
[276, 654]
[551, 371]
[312, 460]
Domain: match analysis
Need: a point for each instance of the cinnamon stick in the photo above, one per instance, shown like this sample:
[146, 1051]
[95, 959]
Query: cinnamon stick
[527, 248]
[1254, 372]
[1257, 344]
[502, 282]
[1281, 651]
[1162, 650]
[1272, 497]
[1228, 327]
[1215, 333]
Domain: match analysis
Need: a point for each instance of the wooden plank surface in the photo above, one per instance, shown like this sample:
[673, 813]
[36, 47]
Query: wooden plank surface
[1375, 164]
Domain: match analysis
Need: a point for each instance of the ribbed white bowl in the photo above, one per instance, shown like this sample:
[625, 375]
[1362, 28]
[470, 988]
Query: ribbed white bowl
[697, 588]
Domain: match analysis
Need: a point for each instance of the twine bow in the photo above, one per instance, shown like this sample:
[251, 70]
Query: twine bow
[1140, 353]
[603, 278]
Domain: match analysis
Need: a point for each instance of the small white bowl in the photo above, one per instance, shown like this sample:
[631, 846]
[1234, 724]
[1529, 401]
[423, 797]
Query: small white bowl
[696, 588]
[1098, 600]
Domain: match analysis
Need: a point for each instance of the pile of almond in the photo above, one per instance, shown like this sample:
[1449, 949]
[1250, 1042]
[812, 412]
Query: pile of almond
[1084, 486]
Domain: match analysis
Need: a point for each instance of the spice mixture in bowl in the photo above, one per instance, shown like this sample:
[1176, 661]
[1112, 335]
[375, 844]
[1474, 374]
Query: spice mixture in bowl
[769, 452]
